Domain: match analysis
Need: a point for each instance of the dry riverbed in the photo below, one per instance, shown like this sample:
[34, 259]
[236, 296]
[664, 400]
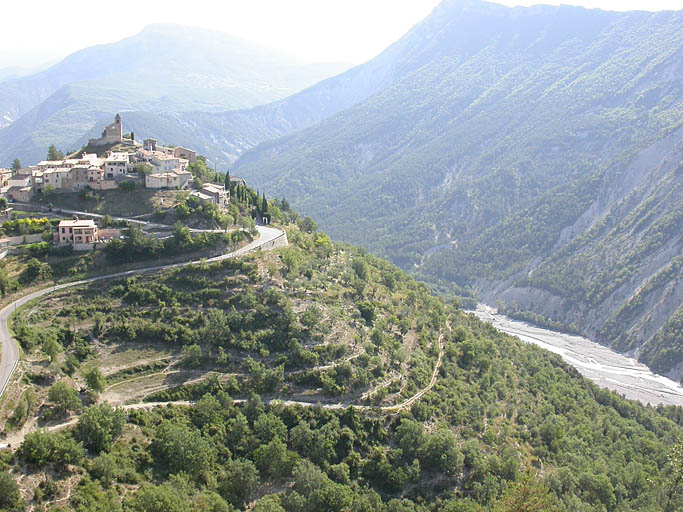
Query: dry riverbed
[600, 364]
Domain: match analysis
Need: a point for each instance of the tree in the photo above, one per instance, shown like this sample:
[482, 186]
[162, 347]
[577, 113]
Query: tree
[49, 191]
[227, 180]
[4, 282]
[64, 398]
[367, 311]
[238, 482]
[105, 468]
[95, 380]
[183, 210]
[207, 411]
[51, 348]
[54, 154]
[308, 225]
[674, 483]
[40, 447]
[177, 447]
[127, 186]
[90, 496]
[35, 271]
[192, 355]
[361, 268]
[99, 426]
[16, 164]
[527, 495]
[440, 451]
[143, 168]
[268, 426]
[268, 504]
[10, 497]
[410, 437]
[4, 203]
[182, 237]
[273, 459]
[159, 498]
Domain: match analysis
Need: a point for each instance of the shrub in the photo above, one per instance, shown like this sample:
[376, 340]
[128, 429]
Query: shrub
[10, 498]
[64, 398]
[40, 448]
[99, 426]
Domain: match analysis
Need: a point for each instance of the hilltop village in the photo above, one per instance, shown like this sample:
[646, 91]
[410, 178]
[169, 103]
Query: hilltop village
[107, 163]
[147, 164]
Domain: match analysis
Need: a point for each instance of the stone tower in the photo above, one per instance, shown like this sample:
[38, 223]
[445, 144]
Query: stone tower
[112, 134]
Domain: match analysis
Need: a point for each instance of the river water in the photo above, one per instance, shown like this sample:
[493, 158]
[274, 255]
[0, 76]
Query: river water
[600, 364]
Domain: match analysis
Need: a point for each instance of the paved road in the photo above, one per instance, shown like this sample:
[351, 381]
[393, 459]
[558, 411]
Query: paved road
[605, 367]
[145, 223]
[10, 351]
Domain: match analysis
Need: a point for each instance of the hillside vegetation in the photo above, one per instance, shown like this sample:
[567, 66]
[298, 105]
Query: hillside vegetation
[295, 360]
[528, 155]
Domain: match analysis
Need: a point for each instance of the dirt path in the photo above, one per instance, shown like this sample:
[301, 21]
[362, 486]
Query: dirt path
[435, 374]
[18, 437]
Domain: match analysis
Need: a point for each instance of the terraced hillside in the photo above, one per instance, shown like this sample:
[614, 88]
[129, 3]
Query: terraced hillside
[316, 377]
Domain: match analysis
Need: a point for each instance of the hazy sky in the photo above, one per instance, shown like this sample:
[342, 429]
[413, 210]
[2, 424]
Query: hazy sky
[35, 31]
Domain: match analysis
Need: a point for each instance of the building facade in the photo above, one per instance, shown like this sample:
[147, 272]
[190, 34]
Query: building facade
[213, 193]
[112, 134]
[80, 234]
[174, 179]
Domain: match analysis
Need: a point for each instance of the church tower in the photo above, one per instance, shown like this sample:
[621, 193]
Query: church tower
[119, 127]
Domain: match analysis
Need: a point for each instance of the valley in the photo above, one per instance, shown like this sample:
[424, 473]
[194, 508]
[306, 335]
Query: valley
[446, 279]
[540, 168]
[598, 363]
[283, 357]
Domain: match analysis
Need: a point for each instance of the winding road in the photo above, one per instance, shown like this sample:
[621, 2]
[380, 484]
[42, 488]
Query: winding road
[268, 237]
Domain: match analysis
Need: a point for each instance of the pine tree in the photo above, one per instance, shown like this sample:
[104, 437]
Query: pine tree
[264, 204]
[16, 164]
[53, 153]
[227, 180]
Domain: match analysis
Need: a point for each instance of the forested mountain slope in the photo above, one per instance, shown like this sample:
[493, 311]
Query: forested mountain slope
[506, 141]
[614, 272]
[163, 68]
[241, 346]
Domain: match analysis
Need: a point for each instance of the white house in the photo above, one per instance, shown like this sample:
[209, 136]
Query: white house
[117, 164]
[213, 193]
[177, 179]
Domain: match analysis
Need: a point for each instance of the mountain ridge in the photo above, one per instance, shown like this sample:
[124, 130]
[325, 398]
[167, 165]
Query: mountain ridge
[550, 102]
[162, 68]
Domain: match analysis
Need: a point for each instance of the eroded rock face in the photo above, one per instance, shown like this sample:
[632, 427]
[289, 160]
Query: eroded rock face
[626, 251]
